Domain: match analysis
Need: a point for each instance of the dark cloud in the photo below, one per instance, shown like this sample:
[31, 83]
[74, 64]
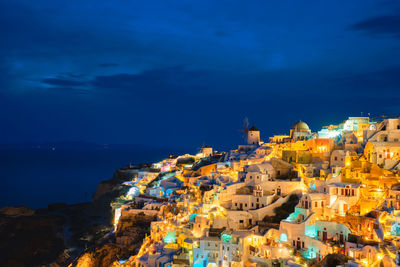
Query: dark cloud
[388, 25]
[72, 75]
[62, 82]
[126, 82]
[181, 62]
[108, 65]
[221, 34]
[67, 89]
[166, 80]
[386, 81]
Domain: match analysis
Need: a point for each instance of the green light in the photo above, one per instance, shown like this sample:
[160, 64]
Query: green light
[226, 237]
[283, 237]
[170, 237]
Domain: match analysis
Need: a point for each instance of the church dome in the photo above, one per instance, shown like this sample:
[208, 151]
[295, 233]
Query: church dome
[300, 126]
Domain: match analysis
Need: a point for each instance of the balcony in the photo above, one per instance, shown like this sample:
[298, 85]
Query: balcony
[235, 259]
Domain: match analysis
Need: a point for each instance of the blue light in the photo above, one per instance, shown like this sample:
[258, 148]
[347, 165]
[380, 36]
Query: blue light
[283, 237]
[311, 232]
[226, 237]
[170, 237]
[133, 192]
[192, 217]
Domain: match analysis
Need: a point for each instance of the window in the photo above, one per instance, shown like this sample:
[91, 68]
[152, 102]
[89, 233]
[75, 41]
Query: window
[322, 204]
[245, 205]
[316, 204]
[335, 158]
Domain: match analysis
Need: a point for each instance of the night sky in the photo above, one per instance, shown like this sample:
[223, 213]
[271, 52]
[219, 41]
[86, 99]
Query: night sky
[187, 73]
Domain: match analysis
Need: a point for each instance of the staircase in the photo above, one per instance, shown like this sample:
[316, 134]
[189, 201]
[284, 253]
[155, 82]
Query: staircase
[395, 165]
[379, 129]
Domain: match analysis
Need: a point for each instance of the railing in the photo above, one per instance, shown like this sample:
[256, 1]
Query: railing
[236, 258]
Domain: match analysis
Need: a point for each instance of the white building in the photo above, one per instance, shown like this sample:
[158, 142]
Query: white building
[249, 202]
[383, 145]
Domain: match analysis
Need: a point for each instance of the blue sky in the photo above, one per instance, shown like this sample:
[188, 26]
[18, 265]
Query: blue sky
[184, 73]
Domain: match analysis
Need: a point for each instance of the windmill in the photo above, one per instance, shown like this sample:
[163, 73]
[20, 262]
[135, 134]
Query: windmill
[245, 129]
[200, 148]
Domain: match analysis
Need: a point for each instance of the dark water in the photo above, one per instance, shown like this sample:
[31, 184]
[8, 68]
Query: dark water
[37, 177]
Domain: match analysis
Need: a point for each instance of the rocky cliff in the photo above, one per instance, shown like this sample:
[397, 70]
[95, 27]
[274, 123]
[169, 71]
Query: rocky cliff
[59, 234]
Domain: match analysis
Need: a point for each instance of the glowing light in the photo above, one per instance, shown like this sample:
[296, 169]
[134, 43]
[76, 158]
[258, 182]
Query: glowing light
[192, 217]
[283, 237]
[226, 237]
[170, 237]
[133, 192]
[117, 215]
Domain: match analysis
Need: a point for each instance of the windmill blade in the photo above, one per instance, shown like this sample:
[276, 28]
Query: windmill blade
[200, 148]
[245, 128]
[246, 125]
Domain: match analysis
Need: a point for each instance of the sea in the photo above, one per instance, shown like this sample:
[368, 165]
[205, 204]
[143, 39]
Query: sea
[41, 175]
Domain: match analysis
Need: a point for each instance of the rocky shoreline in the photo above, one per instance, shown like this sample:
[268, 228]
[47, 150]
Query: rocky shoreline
[65, 234]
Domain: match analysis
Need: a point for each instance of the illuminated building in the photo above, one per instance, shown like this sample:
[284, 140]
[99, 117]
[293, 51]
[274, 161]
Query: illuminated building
[300, 131]
[253, 136]
[211, 210]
